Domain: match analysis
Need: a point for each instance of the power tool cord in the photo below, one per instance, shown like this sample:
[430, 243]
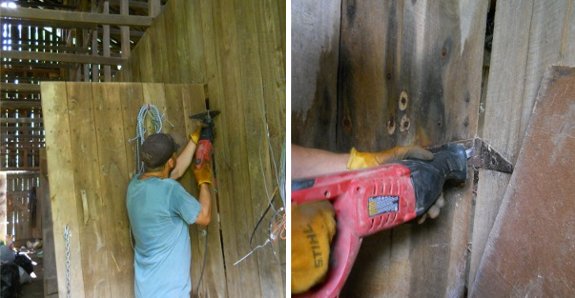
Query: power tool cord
[203, 263]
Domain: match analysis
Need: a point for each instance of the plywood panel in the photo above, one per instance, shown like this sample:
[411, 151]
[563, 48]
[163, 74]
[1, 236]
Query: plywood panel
[529, 36]
[528, 254]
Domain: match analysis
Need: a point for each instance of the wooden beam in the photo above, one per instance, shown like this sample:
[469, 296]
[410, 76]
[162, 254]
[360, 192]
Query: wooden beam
[25, 46]
[19, 87]
[20, 120]
[140, 5]
[18, 104]
[74, 18]
[62, 57]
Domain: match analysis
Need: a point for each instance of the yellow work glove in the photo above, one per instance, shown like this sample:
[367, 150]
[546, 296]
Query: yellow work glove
[204, 173]
[313, 227]
[195, 135]
[360, 160]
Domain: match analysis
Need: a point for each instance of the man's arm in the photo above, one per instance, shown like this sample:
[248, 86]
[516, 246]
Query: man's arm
[311, 162]
[205, 199]
[184, 160]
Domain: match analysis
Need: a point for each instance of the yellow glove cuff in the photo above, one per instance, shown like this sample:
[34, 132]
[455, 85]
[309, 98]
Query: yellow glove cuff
[360, 160]
[195, 136]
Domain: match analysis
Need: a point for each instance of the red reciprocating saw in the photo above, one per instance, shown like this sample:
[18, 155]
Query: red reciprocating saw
[204, 149]
[376, 199]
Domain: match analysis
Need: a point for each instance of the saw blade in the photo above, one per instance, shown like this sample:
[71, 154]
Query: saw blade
[481, 155]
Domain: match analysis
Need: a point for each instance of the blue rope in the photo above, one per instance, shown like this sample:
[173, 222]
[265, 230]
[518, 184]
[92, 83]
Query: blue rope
[145, 111]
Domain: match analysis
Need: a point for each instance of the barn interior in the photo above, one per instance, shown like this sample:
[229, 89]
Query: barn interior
[75, 75]
[378, 74]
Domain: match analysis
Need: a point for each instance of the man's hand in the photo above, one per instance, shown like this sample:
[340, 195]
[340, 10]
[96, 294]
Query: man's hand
[313, 227]
[195, 135]
[204, 173]
[360, 160]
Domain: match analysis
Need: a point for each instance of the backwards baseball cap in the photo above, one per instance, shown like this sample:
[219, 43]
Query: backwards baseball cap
[157, 149]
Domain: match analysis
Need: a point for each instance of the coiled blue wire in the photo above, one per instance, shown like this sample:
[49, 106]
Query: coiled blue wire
[145, 111]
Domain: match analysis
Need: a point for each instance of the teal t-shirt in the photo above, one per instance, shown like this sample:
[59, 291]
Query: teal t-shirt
[160, 211]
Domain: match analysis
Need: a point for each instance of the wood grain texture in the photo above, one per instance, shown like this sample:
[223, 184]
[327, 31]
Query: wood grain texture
[529, 36]
[315, 51]
[238, 49]
[97, 121]
[62, 188]
[528, 254]
[432, 52]
[93, 228]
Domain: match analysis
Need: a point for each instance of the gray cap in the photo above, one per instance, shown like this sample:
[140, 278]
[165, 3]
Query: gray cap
[157, 149]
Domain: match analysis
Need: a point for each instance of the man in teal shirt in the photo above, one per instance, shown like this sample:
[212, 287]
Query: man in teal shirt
[160, 211]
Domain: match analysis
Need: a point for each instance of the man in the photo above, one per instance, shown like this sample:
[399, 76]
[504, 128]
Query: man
[313, 224]
[160, 211]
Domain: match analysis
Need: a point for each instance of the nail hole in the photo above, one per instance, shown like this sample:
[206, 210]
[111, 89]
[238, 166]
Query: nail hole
[405, 123]
[403, 99]
[391, 125]
[326, 194]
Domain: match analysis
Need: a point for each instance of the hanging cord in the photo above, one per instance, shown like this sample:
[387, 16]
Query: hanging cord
[203, 262]
[146, 110]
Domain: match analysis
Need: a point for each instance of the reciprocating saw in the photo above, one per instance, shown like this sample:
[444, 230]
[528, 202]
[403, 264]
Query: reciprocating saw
[371, 200]
[204, 149]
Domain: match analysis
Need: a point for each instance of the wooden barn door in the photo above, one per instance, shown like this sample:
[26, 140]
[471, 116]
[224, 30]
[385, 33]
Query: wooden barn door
[90, 161]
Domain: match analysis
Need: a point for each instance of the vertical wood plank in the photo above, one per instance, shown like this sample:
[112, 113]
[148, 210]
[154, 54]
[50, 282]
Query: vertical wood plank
[315, 51]
[196, 51]
[93, 226]
[49, 261]
[62, 188]
[236, 215]
[114, 174]
[256, 140]
[131, 101]
[431, 51]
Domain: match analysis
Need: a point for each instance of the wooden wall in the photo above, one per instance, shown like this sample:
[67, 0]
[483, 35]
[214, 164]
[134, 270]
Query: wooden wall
[90, 160]
[238, 48]
[23, 209]
[428, 51]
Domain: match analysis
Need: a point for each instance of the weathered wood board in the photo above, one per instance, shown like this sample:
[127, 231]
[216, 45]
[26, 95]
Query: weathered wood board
[314, 64]
[90, 161]
[530, 249]
[238, 49]
[430, 53]
[529, 36]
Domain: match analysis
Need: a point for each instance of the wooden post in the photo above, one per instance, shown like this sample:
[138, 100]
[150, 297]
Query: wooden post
[154, 8]
[106, 43]
[95, 69]
[125, 30]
